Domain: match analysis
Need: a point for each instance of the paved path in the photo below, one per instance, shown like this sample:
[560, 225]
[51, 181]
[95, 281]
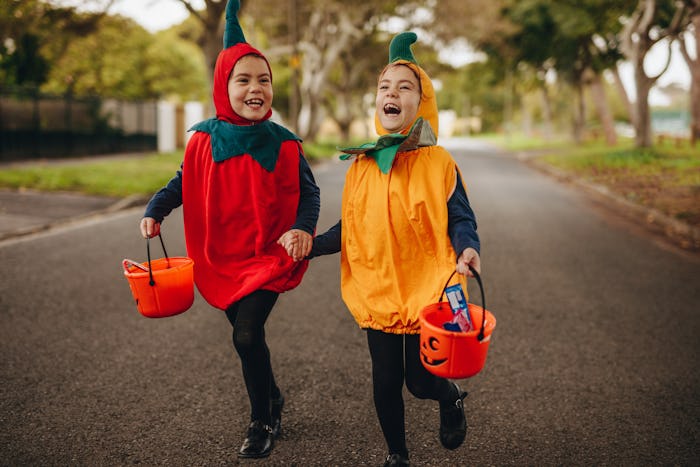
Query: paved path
[593, 361]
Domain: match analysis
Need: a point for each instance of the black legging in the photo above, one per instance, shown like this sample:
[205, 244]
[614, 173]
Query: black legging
[248, 317]
[392, 361]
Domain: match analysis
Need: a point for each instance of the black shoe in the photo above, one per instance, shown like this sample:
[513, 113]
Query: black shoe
[396, 459]
[276, 406]
[259, 441]
[453, 423]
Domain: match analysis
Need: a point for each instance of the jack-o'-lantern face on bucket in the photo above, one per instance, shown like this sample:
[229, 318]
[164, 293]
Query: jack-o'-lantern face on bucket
[432, 352]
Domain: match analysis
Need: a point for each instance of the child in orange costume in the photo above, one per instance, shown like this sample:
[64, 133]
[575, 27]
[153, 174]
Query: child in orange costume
[406, 224]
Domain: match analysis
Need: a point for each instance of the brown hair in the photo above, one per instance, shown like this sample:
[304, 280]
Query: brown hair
[415, 73]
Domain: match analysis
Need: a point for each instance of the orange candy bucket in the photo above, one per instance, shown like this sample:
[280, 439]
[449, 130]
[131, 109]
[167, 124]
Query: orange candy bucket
[161, 287]
[455, 354]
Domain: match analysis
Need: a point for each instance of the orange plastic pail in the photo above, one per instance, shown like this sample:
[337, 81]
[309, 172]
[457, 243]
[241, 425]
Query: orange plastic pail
[455, 354]
[161, 287]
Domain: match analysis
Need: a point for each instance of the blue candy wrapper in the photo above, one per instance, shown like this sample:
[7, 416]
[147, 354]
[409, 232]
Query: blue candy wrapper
[461, 320]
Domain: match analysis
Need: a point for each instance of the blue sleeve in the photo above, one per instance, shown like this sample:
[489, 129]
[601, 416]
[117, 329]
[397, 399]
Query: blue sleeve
[165, 200]
[327, 243]
[461, 222]
[309, 199]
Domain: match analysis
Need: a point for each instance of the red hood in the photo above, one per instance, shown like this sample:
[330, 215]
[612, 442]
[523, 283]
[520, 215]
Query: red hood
[224, 66]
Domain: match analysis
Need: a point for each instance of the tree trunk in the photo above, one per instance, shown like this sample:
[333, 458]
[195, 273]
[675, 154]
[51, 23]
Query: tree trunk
[640, 34]
[642, 124]
[526, 111]
[694, 68]
[546, 112]
[211, 38]
[695, 103]
[623, 94]
[602, 109]
[579, 118]
[330, 31]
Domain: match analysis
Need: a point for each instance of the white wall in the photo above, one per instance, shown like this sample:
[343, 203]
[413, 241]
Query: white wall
[166, 127]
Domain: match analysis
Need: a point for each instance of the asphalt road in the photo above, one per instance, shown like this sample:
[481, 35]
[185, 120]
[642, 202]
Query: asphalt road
[594, 359]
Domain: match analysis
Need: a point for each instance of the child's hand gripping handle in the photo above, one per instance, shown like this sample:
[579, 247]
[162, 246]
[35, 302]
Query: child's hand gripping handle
[477, 276]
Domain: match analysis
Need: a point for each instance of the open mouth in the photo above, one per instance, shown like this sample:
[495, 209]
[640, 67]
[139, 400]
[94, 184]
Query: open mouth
[392, 109]
[254, 102]
[432, 361]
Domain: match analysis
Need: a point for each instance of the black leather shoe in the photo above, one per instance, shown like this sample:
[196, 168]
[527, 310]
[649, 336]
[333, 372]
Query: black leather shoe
[276, 406]
[396, 459]
[259, 441]
[453, 423]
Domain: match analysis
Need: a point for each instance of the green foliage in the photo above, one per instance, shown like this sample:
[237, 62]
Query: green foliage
[475, 90]
[33, 36]
[24, 66]
[123, 60]
[63, 51]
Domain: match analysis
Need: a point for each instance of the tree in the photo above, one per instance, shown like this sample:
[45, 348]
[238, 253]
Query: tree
[210, 37]
[326, 29]
[351, 81]
[652, 21]
[590, 27]
[572, 39]
[123, 60]
[329, 29]
[693, 8]
[34, 35]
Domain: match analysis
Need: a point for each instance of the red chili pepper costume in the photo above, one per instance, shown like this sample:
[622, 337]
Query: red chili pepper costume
[240, 192]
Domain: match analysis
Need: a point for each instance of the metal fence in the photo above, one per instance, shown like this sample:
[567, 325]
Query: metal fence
[39, 126]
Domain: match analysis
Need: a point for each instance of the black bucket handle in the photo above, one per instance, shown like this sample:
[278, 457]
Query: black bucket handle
[483, 299]
[152, 282]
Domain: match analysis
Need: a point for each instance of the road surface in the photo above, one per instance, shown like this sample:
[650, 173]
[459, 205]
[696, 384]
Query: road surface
[594, 359]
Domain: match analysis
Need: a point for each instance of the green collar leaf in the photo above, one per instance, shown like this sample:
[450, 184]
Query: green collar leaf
[261, 141]
[387, 146]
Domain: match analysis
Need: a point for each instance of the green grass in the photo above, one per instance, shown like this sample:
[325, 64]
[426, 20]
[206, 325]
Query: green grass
[118, 176]
[596, 157]
[145, 174]
[681, 166]
[115, 176]
[520, 142]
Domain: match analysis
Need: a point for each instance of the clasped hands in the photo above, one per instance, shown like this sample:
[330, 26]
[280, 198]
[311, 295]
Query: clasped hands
[297, 243]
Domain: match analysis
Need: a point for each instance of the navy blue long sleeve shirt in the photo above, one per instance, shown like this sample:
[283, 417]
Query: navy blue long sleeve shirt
[170, 197]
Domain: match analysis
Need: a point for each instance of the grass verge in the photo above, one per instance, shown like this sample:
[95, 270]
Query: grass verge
[113, 176]
[665, 177]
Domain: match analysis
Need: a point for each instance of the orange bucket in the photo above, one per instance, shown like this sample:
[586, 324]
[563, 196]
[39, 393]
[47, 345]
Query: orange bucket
[455, 354]
[161, 287]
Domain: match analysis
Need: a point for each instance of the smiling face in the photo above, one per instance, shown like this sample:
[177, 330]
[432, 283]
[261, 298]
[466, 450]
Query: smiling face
[398, 98]
[250, 88]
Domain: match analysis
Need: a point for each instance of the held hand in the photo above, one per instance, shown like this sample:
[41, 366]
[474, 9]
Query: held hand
[297, 243]
[469, 257]
[149, 227]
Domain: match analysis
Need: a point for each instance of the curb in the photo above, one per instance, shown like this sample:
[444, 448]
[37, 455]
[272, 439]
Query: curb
[120, 205]
[679, 233]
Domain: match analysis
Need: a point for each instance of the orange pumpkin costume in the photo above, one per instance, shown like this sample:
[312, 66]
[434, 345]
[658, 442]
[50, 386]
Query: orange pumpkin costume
[396, 253]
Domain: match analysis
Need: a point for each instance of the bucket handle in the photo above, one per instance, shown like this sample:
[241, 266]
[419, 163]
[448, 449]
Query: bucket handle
[152, 282]
[130, 263]
[483, 299]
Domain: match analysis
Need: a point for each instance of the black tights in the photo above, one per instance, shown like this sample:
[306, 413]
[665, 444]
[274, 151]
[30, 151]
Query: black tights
[248, 317]
[395, 357]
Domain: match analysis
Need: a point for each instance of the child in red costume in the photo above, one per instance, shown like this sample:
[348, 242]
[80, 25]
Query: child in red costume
[250, 206]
